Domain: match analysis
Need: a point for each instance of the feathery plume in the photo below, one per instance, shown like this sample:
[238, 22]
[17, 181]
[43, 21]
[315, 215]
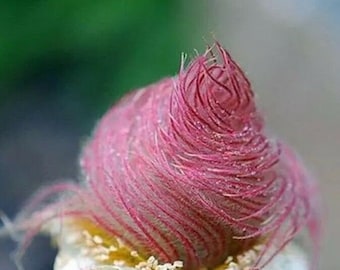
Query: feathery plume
[184, 170]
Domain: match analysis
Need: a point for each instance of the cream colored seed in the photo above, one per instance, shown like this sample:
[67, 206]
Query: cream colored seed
[154, 263]
[99, 250]
[151, 260]
[178, 264]
[118, 262]
[101, 257]
[248, 258]
[98, 240]
[167, 266]
[120, 242]
[86, 234]
[141, 264]
[233, 266]
[104, 249]
[228, 260]
[89, 242]
[258, 247]
[134, 253]
[112, 248]
[162, 267]
[252, 254]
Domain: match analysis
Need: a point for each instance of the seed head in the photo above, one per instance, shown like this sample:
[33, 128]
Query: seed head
[184, 170]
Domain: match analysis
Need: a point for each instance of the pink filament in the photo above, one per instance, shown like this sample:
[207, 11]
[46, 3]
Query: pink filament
[183, 167]
[183, 170]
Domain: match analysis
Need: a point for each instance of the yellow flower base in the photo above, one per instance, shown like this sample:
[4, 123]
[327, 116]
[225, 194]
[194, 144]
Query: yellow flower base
[84, 245]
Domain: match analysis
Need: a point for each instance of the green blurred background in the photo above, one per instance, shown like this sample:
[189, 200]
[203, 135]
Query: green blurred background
[83, 55]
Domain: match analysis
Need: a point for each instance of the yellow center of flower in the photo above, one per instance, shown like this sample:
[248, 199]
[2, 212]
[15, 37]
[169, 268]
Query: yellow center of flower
[96, 243]
[92, 241]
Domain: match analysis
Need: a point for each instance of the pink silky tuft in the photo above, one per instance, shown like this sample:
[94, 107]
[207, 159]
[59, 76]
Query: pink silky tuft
[184, 170]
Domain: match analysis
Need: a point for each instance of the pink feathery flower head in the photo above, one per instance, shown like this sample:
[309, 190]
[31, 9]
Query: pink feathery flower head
[184, 169]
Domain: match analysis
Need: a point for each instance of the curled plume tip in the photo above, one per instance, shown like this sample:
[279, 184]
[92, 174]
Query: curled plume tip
[184, 169]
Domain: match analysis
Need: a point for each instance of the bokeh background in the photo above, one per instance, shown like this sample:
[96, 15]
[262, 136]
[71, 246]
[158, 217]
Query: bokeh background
[64, 62]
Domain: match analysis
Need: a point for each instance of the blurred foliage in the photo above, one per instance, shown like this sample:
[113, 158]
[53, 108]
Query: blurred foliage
[84, 54]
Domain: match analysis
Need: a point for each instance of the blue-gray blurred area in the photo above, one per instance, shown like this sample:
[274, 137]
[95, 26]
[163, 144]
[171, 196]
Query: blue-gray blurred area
[62, 64]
